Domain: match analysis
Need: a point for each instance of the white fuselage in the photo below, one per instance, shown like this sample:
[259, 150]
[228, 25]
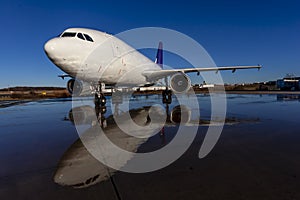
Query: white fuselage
[98, 57]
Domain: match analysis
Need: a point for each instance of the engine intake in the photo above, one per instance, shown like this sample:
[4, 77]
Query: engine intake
[74, 87]
[180, 83]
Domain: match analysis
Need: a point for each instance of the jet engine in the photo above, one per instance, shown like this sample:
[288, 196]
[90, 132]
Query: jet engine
[180, 83]
[74, 87]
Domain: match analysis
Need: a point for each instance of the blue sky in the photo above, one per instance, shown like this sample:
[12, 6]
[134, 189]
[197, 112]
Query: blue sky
[233, 32]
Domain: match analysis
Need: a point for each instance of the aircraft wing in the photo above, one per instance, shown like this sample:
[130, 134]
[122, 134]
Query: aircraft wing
[158, 74]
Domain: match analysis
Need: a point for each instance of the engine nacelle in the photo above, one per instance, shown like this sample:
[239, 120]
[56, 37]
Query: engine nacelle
[180, 83]
[74, 87]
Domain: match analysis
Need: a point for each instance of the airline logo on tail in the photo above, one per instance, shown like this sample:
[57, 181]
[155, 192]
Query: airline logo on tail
[159, 55]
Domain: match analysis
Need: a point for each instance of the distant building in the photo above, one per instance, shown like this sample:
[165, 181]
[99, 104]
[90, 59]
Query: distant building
[205, 85]
[290, 82]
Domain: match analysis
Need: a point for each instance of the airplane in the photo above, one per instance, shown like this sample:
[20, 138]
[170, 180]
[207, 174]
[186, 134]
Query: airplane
[101, 59]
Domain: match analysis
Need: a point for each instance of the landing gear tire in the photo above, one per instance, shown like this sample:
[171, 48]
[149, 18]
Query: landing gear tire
[167, 97]
[102, 100]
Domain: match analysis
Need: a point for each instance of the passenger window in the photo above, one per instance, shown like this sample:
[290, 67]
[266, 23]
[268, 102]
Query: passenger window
[88, 38]
[68, 34]
[79, 35]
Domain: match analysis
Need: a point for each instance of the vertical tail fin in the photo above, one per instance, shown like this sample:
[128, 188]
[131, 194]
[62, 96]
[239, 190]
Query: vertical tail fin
[159, 55]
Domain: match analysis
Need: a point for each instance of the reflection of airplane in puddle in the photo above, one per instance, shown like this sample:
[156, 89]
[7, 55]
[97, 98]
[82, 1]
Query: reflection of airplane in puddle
[79, 169]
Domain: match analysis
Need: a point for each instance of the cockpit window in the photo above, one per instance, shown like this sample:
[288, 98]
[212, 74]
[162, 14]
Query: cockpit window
[68, 34]
[88, 38]
[79, 35]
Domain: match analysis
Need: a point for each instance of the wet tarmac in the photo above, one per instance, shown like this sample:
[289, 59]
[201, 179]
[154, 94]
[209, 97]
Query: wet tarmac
[256, 157]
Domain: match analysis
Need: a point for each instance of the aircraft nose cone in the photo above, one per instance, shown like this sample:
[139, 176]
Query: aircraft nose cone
[50, 47]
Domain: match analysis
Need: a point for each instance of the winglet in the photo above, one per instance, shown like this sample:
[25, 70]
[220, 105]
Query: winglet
[259, 67]
[159, 55]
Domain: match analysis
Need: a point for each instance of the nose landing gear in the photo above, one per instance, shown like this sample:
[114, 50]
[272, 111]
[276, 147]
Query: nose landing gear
[100, 99]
